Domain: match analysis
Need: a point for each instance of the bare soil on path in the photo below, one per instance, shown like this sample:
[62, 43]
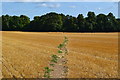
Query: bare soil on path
[59, 69]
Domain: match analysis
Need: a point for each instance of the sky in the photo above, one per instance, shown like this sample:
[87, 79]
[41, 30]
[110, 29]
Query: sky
[60, 0]
[32, 9]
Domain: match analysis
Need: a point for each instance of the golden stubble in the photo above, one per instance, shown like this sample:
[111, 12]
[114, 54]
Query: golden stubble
[91, 55]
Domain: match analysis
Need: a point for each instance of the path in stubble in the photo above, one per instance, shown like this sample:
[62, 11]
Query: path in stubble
[60, 69]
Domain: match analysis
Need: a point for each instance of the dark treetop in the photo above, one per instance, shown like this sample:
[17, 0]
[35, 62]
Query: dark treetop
[54, 22]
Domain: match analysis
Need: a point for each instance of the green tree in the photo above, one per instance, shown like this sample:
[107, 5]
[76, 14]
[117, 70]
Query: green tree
[5, 22]
[118, 25]
[24, 22]
[81, 23]
[51, 22]
[112, 23]
[70, 24]
[14, 22]
[0, 23]
[91, 21]
[102, 22]
[60, 22]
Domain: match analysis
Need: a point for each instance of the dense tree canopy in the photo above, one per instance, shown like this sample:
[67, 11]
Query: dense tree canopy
[62, 23]
[14, 22]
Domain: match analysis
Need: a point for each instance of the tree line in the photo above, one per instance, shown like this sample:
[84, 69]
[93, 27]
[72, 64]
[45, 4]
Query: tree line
[54, 22]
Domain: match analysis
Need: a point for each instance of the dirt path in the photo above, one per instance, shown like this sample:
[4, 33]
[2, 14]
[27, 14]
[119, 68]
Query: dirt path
[58, 62]
[60, 69]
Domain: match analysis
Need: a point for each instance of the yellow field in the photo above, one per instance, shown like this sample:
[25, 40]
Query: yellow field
[91, 55]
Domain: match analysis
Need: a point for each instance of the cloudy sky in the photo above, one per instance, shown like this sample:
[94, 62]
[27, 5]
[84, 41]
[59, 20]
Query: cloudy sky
[60, 0]
[32, 9]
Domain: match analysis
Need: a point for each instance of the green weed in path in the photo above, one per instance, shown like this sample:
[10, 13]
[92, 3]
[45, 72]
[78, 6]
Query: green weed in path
[60, 51]
[62, 47]
[54, 58]
[47, 72]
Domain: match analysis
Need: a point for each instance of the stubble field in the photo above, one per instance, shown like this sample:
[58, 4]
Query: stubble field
[91, 55]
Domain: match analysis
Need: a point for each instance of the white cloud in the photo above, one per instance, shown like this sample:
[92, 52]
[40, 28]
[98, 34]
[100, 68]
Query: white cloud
[49, 5]
[43, 5]
[99, 8]
[54, 5]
